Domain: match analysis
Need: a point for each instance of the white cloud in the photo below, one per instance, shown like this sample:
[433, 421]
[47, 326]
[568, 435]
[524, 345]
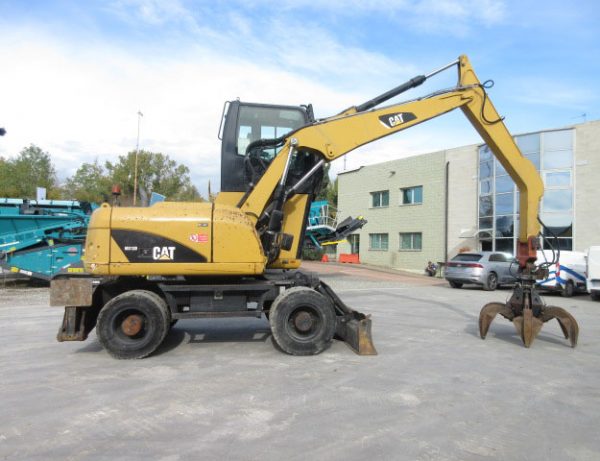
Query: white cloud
[78, 99]
[81, 102]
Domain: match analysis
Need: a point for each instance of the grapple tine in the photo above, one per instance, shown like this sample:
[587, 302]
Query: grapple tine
[528, 312]
[489, 312]
[528, 326]
[567, 322]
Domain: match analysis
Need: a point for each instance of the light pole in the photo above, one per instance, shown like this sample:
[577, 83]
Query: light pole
[137, 151]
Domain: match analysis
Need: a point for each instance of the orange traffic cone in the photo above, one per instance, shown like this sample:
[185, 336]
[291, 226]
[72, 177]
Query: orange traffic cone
[325, 259]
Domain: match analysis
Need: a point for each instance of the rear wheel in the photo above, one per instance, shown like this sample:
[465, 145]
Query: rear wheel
[302, 321]
[491, 283]
[133, 324]
[595, 295]
[455, 284]
[568, 290]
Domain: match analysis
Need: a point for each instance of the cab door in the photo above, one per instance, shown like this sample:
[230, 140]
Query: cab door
[244, 123]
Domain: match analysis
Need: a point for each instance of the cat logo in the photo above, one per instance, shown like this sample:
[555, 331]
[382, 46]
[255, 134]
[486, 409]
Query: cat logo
[396, 119]
[163, 253]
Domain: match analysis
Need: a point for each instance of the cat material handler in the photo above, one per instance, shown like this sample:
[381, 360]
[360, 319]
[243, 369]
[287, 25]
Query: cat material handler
[146, 268]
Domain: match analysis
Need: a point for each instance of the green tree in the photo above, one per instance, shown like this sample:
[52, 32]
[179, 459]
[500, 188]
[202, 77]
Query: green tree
[32, 168]
[332, 192]
[90, 183]
[156, 173]
[328, 189]
[325, 183]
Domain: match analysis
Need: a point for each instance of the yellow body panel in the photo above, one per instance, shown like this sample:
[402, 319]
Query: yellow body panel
[235, 238]
[293, 223]
[171, 238]
[228, 198]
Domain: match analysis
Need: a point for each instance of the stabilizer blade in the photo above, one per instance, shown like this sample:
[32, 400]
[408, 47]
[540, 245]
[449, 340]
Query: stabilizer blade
[352, 327]
[356, 333]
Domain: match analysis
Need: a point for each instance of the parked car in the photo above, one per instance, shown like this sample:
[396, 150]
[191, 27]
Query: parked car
[567, 277]
[490, 269]
[593, 272]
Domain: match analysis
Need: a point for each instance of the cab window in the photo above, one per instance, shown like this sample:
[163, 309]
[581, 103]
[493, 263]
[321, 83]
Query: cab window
[257, 122]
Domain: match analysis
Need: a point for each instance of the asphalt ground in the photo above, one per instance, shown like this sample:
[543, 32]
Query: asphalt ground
[219, 390]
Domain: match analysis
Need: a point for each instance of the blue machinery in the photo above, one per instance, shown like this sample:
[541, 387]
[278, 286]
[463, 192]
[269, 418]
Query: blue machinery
[40, 238]
[323, 227]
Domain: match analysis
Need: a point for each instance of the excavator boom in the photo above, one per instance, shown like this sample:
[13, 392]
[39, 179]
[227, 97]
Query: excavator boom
[336, 136]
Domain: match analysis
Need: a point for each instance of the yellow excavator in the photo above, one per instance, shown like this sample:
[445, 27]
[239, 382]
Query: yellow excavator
[146, 268]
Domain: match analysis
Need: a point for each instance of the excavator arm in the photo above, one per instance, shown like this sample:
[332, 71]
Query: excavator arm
[338, 135]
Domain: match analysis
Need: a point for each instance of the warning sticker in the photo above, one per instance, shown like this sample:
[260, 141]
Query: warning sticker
[199, 238]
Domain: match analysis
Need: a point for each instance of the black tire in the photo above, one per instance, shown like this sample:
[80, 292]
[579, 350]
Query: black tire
[139, 306]
[491, 282]
[568, 290]
[455, 284]
[595, 296]
[302, 321]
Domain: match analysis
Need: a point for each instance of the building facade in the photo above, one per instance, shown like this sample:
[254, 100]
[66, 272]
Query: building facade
[431, 206]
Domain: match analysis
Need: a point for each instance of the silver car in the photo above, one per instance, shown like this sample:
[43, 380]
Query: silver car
[487, 268]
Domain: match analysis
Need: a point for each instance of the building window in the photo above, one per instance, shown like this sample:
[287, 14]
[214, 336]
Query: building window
[411, 195]
[380, 199]
[557, 179]
[552, 155]
[411, 240]
[354, 241]
[378, 242]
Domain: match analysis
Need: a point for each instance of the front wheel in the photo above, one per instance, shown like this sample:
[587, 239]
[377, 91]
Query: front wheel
[133, 324]
[302, 321]
[455, 284]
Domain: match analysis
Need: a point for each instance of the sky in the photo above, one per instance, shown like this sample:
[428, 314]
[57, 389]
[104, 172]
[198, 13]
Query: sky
[73, 74]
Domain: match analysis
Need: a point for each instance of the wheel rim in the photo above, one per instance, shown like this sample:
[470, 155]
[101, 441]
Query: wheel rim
[493, 281]
[303, 324]
[130, 326]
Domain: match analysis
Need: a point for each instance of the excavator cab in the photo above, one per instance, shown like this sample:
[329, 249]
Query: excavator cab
[243, 123]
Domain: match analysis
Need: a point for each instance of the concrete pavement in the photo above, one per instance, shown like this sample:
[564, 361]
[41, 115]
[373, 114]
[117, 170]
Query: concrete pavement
[218, 389]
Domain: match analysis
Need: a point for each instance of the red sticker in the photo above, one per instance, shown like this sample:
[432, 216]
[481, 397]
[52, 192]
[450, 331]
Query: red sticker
[199, 238]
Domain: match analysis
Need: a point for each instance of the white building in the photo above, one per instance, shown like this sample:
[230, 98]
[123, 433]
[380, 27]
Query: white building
[427, 207]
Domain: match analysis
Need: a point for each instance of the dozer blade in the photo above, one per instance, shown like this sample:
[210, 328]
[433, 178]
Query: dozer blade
[528, 326]
[489, 312]
[352, 327]
[567, 322]
[356, 333]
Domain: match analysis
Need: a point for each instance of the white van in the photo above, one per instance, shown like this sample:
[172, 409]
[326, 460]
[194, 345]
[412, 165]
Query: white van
[568, 276]
[593, 272]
